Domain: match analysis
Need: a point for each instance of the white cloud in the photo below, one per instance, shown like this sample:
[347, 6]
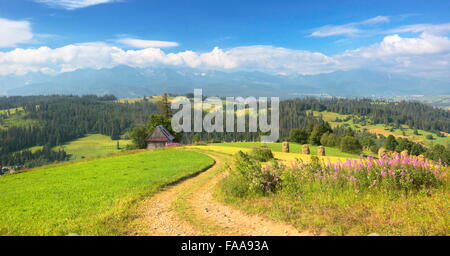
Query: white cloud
[435, 29]
[395, 45]
[73, 4]
[427, 55]
[374, 20]
[348, 29]
[372, 27]
[13, 32]
[142, 44]
[335, 31]
[101, 55]
[281, 60]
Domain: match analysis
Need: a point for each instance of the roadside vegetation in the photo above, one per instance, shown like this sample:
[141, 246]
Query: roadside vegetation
[396, 196]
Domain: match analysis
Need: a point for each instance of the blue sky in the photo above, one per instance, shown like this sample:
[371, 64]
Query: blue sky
[305, 37]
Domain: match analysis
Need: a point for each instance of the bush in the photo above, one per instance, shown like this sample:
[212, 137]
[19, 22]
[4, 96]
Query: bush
[298, 136]
[196, 138]
[330, 140]
[439, 153]
[350, 144]
[235, 186]
[391, 143]
[262, 154]
[405, 175]
[317, 132]
[374, 149]
[258, 179]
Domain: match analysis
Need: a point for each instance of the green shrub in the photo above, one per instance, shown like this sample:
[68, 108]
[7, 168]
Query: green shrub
[298, 136]
[262, 154]
[330, 140]
[235, 186]
[350, 144]
[258, 179]
[403, 175]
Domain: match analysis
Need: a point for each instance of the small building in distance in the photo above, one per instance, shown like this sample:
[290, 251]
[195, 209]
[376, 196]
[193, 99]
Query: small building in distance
[159, 138]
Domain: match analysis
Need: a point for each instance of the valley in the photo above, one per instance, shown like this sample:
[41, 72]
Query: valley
[87, 173]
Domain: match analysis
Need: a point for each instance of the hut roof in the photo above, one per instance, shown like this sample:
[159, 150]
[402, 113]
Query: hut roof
[160, 134]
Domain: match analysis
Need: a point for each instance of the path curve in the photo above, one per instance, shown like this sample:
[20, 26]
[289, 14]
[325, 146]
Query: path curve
[189, 209]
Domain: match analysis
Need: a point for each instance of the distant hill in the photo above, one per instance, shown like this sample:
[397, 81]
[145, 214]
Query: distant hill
[124, 81]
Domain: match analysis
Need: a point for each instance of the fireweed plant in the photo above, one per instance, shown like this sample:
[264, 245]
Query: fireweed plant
[398, 175]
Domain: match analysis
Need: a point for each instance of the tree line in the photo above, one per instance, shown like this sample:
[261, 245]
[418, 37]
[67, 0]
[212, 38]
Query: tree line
[61, 119]
[58, 119]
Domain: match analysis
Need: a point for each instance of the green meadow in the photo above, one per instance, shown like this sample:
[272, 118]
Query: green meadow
[10, 111]
[17, 118]
[89, 147]
[93, 146]
[94, 197]
[294, 148]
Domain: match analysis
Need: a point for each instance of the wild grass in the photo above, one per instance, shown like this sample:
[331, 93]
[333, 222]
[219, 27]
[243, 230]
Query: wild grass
[346, 213]
[388, 197]
[294, 148]
[95, 197]
[93, 146]
[230, 150]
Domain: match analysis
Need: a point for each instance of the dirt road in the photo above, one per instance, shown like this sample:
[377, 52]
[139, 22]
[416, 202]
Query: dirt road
[189, 209]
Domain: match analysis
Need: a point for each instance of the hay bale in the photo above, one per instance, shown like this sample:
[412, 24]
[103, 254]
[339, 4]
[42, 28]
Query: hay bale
[382, 153]
[305, 149]
[405, 153]
[286, 147]
[321, 151]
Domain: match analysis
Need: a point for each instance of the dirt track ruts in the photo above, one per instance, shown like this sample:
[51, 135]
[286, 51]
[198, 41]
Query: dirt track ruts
[188, 208]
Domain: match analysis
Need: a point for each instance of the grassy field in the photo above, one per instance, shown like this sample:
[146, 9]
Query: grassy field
[231, 149]
[294, 148]
[89, 147]
[17, 118]
[153, 99]
[93, 146]
[89, 198]
[385, 130]
[335, 206]
[11, 110]
[349, 213]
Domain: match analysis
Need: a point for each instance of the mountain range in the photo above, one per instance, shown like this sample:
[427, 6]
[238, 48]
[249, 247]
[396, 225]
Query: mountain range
[126, 82]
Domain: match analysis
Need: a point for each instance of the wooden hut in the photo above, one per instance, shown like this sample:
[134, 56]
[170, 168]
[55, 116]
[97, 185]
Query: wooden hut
[159, 138]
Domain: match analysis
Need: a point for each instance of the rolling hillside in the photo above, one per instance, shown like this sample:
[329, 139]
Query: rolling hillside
[89, 198]
[354, 122]
[93, 146]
